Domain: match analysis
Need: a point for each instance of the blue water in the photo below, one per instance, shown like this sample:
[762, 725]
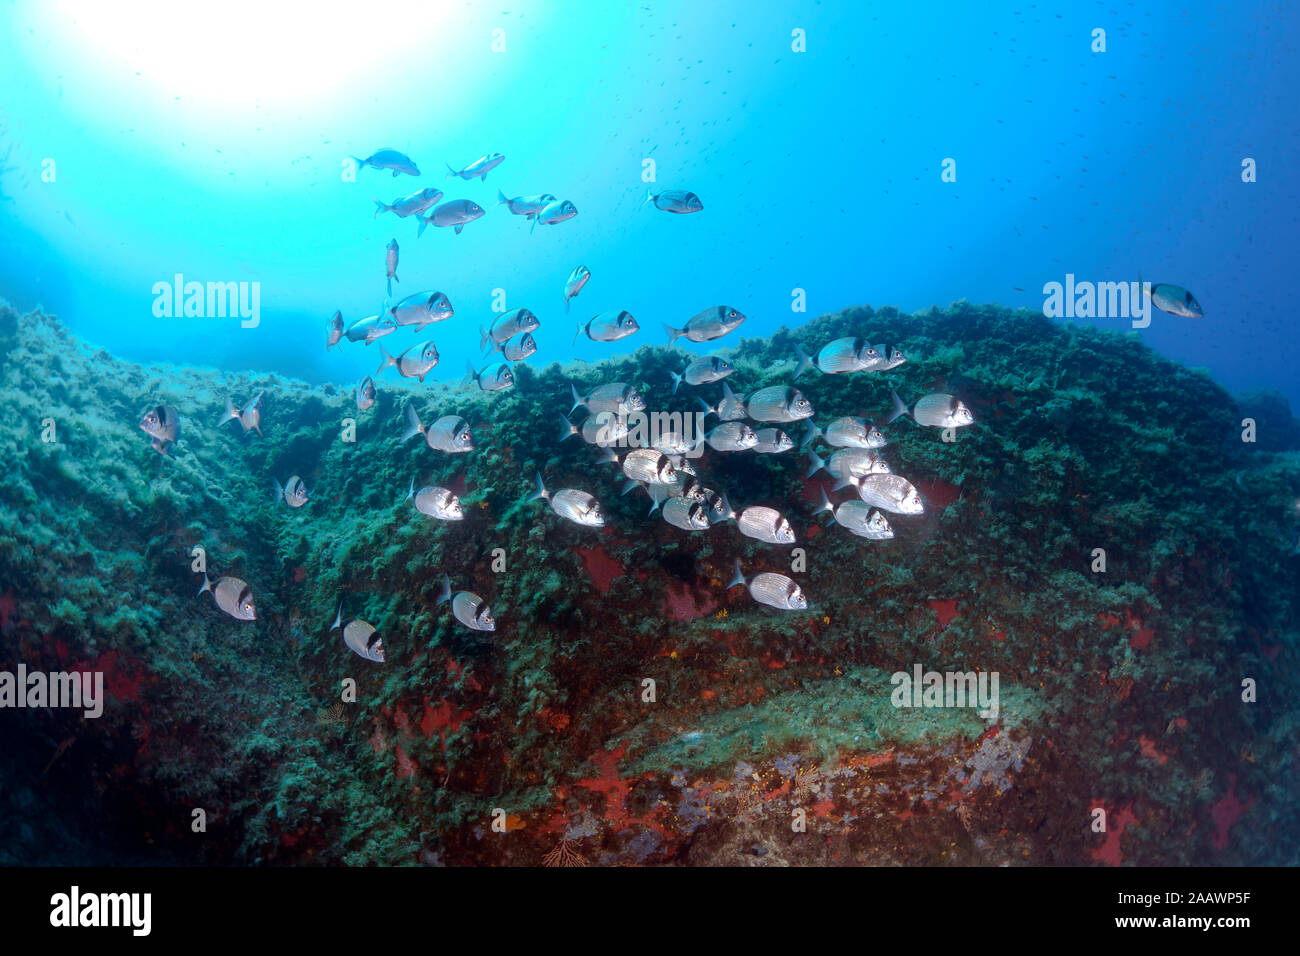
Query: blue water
[215, 145]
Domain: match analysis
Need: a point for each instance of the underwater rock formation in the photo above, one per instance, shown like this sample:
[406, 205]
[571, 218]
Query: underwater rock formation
[1120, 689]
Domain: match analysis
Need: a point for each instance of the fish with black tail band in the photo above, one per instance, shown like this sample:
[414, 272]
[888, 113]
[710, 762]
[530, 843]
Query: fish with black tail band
[436, 502]
[450, 434]
[615, 398]
[608, 327]
[416, 362]
[572, 505]
[334, 330]
[892, 493]
[554, 213]
[467, 607]
[938, 410]
[479, 168]
[729, 408]
[578, 278]
[687, 514]
[391, 253]
[491, 379]
[389, 158]
[527, 206]
[412, 205]
[453, 214]
[855, 462]
[293, 492]
[774, 590]
[250, 416]
[365, 393]
[841, 357]
[703, 372]
[731, 436]
[858, 517]
[506, 326]
[772, 441]
[847, 432]
[710, 324]
[678, 201]
[232, 595]
[778, 403]
[421, 309]
[162, 424]
[360, 637]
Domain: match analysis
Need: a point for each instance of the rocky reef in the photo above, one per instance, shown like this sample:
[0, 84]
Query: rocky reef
[766, 738]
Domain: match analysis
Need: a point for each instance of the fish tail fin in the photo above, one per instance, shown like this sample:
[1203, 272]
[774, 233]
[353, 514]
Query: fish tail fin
[207, 585]
[631, 485]
[654, 505]
[826, 504]
[469, 373]
[673, 334]
[815, 464]
[567, 429]
[541, 493]
[607, 456]
[805, 362]
[338, 618]
[380, 207]
[413, 424]
[229, 413]
[386, 361]
[483, 338]
[501, 198]
[424, 224]
[812, 434]
[445, 594]
[279, 490]
[899, 408]
[578, 332]
[450, 172]
[459, 226]
[649, 198]
[677, 380]
[533, 227]
[845, 482]
[577, 399]
[738, 577]
[361, 163]
[410, 492]
[705, 407]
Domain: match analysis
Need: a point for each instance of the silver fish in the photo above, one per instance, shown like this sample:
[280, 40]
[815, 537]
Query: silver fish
[779, 403]
[454, 213]
[554, 213]
[648, 465]
[250, 417]
[602, 429]
[617, 398]
[416, 362]
[710, 324]
[389, 158]
[841, 356]
[450, 433]
[414, 204]
[762, 523]
[703, 371]
[848, 433]
[576, 506]
[506, 326]
[365, 393]
[675, 443]
[490, 379]
[421, 309]
[939, 410]
[467, 607]
[855, 462]
[436, 502]
[858, 517]
[1175, 300]
[390, 263]
[233, 596]
[774, 590]
[518, 348]
[525, 205]
[686, 513]
[772, 441]
[718, 506]
[608, 327]
[162, 424]
[334, 331]
[731, 436]
[578, 278]
[372, 327]
[729, 408]
[894, 358]
[479, 168]
[360, 637]
[674, 200]
[293, 492]
[892, 493]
